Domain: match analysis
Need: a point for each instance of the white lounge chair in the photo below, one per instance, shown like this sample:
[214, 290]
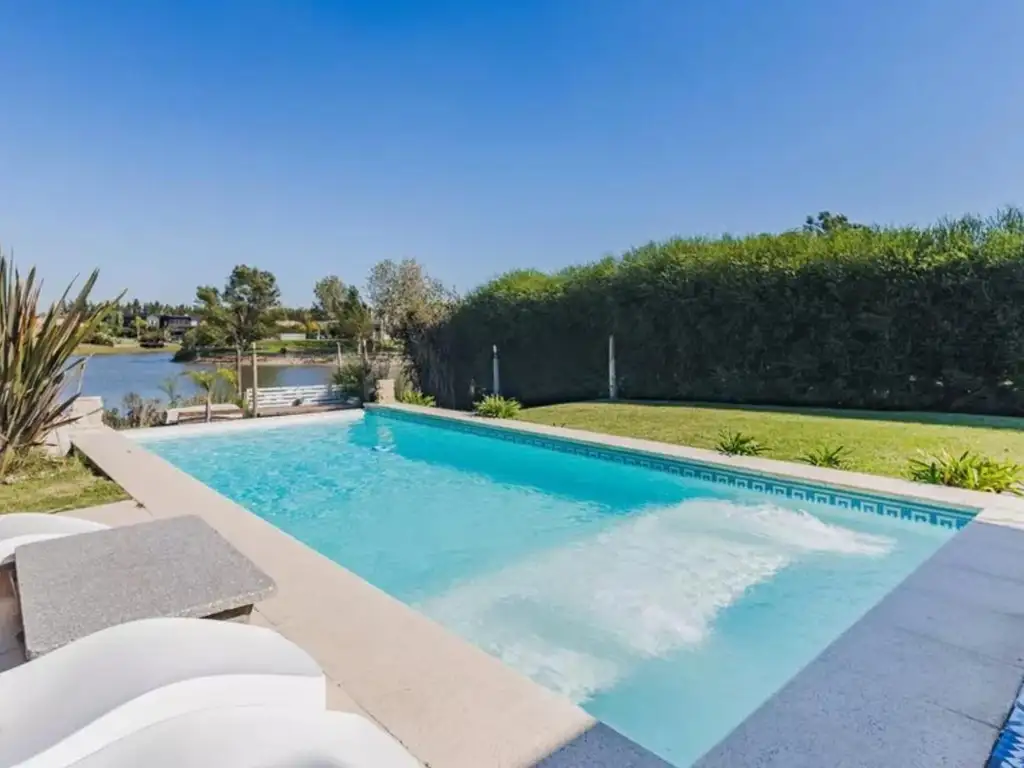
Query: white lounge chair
[254, 737]
[68, 704]
[19, 528]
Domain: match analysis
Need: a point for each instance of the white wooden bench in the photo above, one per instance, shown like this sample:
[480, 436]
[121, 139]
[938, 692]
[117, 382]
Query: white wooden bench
[286, 397]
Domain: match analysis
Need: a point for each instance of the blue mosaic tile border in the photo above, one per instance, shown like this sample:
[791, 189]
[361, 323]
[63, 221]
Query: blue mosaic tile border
[1008, 751]
[887, 506]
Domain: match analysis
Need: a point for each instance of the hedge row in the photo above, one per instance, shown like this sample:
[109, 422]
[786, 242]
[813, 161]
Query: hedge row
[883, 318]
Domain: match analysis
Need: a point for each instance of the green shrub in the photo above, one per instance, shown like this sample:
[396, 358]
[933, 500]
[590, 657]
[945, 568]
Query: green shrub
[497, 407]
[415, 397]
[350, 378]
[841, 316]
[968, 470]
[136, 411]
[358, 378]
[827, 456]
[100, 339]
[738, 444]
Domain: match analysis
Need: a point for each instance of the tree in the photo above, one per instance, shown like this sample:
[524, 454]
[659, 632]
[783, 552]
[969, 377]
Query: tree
[399, 290]
[330, 294]
[170, 388]
[826, 222]
[34, 358]
[140, 325]
[353, 318]
[113, 322]
[207, 382]
[242, 311]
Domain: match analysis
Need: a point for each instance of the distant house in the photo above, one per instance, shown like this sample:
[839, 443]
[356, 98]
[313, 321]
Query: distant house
[176, 326]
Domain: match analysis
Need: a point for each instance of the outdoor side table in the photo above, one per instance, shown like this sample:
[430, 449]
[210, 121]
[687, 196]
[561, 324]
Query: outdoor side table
[72, 586]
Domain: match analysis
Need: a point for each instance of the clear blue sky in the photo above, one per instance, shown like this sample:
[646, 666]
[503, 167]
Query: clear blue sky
[165, 142]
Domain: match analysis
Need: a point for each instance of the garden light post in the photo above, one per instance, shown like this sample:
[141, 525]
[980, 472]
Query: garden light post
[613, 387]
[495, 375]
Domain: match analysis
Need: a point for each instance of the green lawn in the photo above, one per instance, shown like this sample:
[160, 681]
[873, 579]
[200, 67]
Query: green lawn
[43, 484]
[880, 443]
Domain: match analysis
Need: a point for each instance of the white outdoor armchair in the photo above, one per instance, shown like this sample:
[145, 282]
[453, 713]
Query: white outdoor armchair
[72, 702]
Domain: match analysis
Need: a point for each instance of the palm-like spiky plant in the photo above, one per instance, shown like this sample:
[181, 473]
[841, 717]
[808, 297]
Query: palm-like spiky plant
[36, 358]
[207, 382]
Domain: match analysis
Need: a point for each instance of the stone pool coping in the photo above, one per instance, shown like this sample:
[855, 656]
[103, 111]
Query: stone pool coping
[925, 678]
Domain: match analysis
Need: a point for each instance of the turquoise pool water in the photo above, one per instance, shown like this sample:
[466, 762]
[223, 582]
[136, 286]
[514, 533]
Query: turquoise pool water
[669, 608]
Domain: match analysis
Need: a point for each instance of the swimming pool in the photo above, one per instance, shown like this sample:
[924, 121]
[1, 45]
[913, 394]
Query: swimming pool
[668, 606]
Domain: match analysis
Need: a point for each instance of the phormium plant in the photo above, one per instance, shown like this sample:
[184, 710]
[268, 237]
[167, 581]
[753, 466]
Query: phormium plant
[833, 457]
[415, 397]
[497, 407]
[738, 444]
[968, 470]
[37, 358]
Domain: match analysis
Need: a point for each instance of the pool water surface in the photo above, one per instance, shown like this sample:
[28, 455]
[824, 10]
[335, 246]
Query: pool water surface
[668, 607]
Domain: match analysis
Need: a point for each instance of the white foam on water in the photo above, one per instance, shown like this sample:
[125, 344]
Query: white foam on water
[576, 619]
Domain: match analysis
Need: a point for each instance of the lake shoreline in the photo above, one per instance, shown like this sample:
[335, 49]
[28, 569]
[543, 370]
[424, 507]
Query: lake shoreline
[96, 350]
[274, 362]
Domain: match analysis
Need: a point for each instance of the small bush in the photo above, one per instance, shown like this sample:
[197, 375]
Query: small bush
[738, 444]
[415, 397]
[100, 339]
[968, 470]
[497, 407]
[135, 411]
[827, 456]
[359, 377]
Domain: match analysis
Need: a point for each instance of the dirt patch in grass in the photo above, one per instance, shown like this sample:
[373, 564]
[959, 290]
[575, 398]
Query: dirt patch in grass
[44, 484]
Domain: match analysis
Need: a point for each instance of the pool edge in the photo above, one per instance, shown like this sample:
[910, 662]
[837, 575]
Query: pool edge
[994, 508]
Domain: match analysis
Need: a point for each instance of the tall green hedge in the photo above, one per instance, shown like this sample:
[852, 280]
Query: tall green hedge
[885, 318]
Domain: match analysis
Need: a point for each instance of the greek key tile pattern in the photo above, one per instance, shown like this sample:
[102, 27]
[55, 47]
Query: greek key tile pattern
[1008, 751]
[888, 506]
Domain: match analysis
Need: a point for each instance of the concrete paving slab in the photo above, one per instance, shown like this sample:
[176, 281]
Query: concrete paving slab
[118, 513]
[958, 623]
[602, 747]
[890, 661]
[992, 549]
[968, 585]
[869, 731]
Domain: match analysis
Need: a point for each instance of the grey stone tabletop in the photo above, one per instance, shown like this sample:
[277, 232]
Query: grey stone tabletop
[72, 586]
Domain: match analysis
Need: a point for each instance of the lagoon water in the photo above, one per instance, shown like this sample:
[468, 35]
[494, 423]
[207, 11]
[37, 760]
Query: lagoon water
[114, 376]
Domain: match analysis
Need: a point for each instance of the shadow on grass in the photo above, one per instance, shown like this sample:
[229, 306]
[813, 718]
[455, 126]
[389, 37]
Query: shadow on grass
[1012, 423]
